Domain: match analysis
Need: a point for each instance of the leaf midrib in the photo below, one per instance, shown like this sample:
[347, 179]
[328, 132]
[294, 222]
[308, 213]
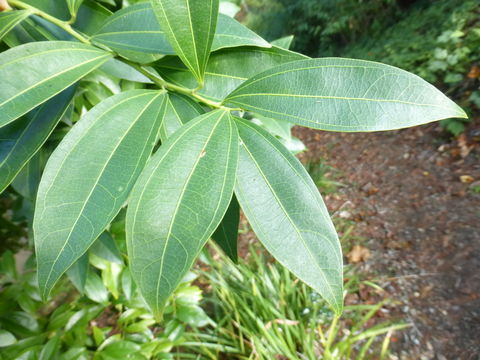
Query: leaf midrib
[179, 202]
[291, 222]
[80, 214]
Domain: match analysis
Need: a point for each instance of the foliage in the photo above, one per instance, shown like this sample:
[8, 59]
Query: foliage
[263, 311]
[109, 321]
[154, 112]
[438, 41]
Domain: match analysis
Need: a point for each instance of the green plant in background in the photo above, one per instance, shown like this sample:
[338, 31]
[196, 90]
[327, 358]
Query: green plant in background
[175, 79]
[109, 321]
[263, 312]
[438, 41]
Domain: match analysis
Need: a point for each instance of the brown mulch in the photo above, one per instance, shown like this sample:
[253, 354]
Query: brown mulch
[411, 194]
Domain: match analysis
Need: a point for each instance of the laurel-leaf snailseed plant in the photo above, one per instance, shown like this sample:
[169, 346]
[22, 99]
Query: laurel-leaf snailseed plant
[171, 140]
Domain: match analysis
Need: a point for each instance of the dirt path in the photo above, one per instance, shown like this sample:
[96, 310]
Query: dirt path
[411, 194]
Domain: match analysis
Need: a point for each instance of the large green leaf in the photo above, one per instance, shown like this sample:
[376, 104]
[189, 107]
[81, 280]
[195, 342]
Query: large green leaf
[32, 73]
[287, 213]
[89, 176]
[21, 139]
[190, 27]
[9, 19]
[227, 232]
[179, 110]
[134, 32]
[344, 95]
[227, 69]
[178, 202]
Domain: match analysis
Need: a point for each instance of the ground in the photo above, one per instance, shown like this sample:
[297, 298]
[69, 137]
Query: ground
[414, 197]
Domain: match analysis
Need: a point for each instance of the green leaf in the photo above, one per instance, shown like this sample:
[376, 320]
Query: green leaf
[287, 213]
[227, 232]
[73, 6]
[94, 288]
[9, 19]
[344, 95]
[179, 110]
[190, 26]
[134, 32]
[91, 16]
[6, 338]
[120, 349]
[58, 9]
[226, 70]
[105, 248]
[121, 70]
[21, 139]
[32, 73]
[14, 351]
[89, 176]
[27, 180]
[230, 33]
[50, 349]
[284, 42]
[78, 272]
[178, 202]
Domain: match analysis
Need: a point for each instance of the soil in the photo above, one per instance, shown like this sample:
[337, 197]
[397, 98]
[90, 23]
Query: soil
[414, 196]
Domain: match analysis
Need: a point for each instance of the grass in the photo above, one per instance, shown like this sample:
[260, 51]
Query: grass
[324, 176]
[263, 312]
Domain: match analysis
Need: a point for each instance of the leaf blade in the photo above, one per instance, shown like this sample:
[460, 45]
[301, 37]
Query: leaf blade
[344, 95]
[171, 213]
[134, 32]
[178, 111]
[9, 19]
[33, 73]
[227, 69]
[21, 139]
[227, 232]
[190, 27]
[106, 150]
[287, 212]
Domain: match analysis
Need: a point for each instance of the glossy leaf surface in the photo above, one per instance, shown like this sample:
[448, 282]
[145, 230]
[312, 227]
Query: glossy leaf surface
[227, 69]
[287, 213]
[9, 19]
[189, 26]
[178, 202]
[89, 176]
[135, 33]
[21, 139]
[344, 95]
[32, 73]
[227, 232]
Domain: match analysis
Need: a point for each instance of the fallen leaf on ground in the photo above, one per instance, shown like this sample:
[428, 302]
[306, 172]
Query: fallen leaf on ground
[358, 254]
[466, 179]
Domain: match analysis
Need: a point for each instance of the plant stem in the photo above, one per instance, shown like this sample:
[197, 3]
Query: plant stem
[65, 25]
[60, 23]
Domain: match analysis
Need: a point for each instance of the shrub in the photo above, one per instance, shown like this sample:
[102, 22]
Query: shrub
[106, 91]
